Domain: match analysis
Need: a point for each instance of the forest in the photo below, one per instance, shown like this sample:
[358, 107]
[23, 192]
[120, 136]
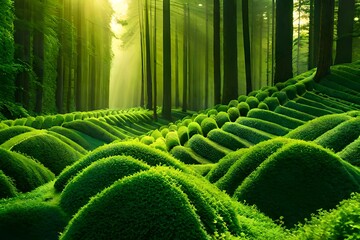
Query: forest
[177, 119]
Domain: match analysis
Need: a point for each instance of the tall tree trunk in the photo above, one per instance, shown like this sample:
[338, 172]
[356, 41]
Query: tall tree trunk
[155, 64]
[185, 58]
[284, 37]
[217, 54]
[326, 39]
[298, 39]
[149, 104]
[177, 98]
[142, 90]
[273, 40]
[344, 31]
[247, 46]
[206, 55]
[166, 111]
[230, 89]
[314, 33]
[61, 62]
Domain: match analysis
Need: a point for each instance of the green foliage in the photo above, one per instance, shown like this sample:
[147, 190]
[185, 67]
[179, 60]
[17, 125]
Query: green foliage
[246, 163]
[48, 150]
[253, 102]
[243, 108]
[69, 142]
[316, 127]
[26, 173]
[300, 88]
[207, 148]
[314, 111]
[221, 118]
[263, 125]
[297, 180]
[137, 150]
[108, 128]
[248, 133]
[233, 103]
[227, 140]
[293, 113]
[269, 116]
[281, 96]
[38, 122]
[188, 156]
[262, 95]
[222, 108]
[172, 140]
[9, 109]
[147, 140]
[200, 117]
[208, 124]
[263, 105]
[194, 128]
[233, 113]
[183, 134]
[351, 153]
[31, 220]
[7, 187]
[96, 177]
[272, 102]
[242, 98]
[10, 132]
[316, 104]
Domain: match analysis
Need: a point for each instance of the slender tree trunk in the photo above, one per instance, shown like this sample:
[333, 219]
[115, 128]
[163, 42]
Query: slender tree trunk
[344, 31]
[60, 63]
[284, 37]
[149, 104]
[247, 46]
[230, 90]
[273, 40]
[142, 97]
[177, 98]
[326, 39]
[217, 54]
[260, 50]
[314, 33]
[166, 111]
[206, 55]
[267, 48]
[298, 39]
[155, 64]
[185, 59]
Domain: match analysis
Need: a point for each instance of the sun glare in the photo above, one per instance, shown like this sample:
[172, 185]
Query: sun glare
[120, 14]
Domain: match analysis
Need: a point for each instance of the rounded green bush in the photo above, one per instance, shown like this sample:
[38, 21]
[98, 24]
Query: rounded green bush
[10, 132]
[38, 122]
[199, 118]
[147, 140]
[194, 128]
[222, 108]
[183, 134]
[69, 142]
[95, 178]
[233, 103]
[272, 102]
[221, 118]
[26, 173]
[48, 122]
[7, 187]
[107, 127]
[263, 125]
[246, 133]
[20, 122]
[227, 140]
[156, 134]
[300, 88]
[280, 85]
[68, 117]
[291, 91]
[187, 156]
[159, 144]
[233, 113]
[143, 206]
[253, 102]
[29, 121]
[253, 93]
[244, 108]
[58, 120]
[172, 140]
[297, 180]
[164, 131]
[137, 150]
[281, 96]
[263, 105]
[186, 122]
[262, 95]
[242, 98]
[212, 112]
[207, 125]
[271, 90]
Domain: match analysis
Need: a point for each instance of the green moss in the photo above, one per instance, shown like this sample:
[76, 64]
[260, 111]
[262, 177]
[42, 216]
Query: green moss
[156, 134]
[7, 187]
[20, 122]
[172, 140]
[272, 102]
[26, 173]
[246, 163]
[69, 142]
[207, 125]
[338, 94]
[300, 88]
[282, 120]
[233, 103]
[263, 125]
[262, 95]
[252, 101]
[159, 144]
[291, 184]
[207, 148]
[227, 140]
[95, 178]
[222, 108]
[326, 101]
[48, 120]
[233, 113]
[143, 206]
[253, 93]
[147, 140]
[316, 104]
[183, 134]
[194, 128]
[164, 131]
[7, 133]
[314, 111]
[351, 153]
[108, 128]
[199, 118]
[271, 90]
[221, 118]
[140, 151]
[281, 96]
[244, 108]
[293, 113]
[263, 105]
[91, 129]
[249, 134]
[341, 135]
[31, 220]
[38, 122]
[220, 169]
[316, 127]
[201, 169]
[242, 98]
[188, 156]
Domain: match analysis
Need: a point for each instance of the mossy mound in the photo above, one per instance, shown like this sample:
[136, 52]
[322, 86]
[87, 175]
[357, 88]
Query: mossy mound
[351, 153]
[318, 126]
[31, 220]
[247, 162]
[293, 113]
[188, 156]
[26, 173]
[7, 187]
[297, 180]
[50, 151]
[228, 140]
[263, 125]
[140, 151]
[164, 203]
[10, 132]
[95, 178]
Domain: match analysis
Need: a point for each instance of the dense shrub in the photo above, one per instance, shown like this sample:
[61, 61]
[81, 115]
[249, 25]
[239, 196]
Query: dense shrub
[297, 180]
[233, 103]
[351, 153]
[300, 88]
[194, 128]
[183, 134]
[207, 148]
[270, 116]
[7, 187]
[281, 96]
[242, 98]
[26, 173]
[272, 103]
[227, 140]
[221, 118]
[263, 125]
[233, 113]
[108, 128]
[249, 134]
[294, 113]
[262, 95]
[172, 140]
[69, 142]
[253, 102]
[7, 133]
[208, 124]
[316, 104]
[187, 155]
[147, 140]
[314, 111]
[243, 108]
[291, 91]
[149, 155]
[199, 118]
[95, 178]
[263, 105]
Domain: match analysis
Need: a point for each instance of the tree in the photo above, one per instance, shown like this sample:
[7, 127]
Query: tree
[344, 31]
[314, 29]
[185, 58]
[230, 89]
[284, 40]
[166, 110]
[149, 104]
[326, 39]
[217, 53]
[247, 47]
